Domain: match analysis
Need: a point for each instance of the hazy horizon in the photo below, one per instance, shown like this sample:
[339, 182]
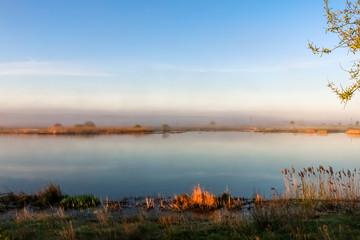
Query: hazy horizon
[45, 119]
[176, 58]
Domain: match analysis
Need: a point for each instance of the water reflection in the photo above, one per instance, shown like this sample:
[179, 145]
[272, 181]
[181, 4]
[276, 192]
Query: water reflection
[121, 165]
[165, 135]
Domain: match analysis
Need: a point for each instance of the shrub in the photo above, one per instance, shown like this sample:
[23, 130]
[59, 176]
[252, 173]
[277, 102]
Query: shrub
[165, 127]
[89, 124]
[50, 195]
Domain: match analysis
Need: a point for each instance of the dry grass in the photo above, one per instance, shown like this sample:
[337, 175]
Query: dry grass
[322, 184]
[200, 199]
[353, 131]
[309, 131]
[169, 219]
[23, 215]
[81, 130]
[310, 193]
[67, 232]
[271, 214]
[27, 214]
[131, 229]
[60, 213]
[322, 132]
[149, 203]
[103, 215]
[203, 200]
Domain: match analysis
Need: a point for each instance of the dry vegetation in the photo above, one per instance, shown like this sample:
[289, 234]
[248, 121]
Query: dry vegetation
[77, 130]
[322, 184]
[202, 200]
[318, 203]
[353, 132]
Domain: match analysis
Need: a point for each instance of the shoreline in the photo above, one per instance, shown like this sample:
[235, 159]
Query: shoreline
[138, 129]
[118, 130]
[51, 196]
[186, 216]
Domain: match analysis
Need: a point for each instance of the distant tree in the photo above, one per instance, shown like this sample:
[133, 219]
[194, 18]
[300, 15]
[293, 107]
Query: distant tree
[89, 124]
[345, 24]
[357, 123]
[292, 123]
[58, 125]
[78, 125]
[165, 127]
[212, 123]
[339, 124]
[137, 126]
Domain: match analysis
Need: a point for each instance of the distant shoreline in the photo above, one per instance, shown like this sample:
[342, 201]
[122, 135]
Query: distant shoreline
[118, 130]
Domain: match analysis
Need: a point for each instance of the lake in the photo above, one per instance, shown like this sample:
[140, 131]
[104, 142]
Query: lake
[126, 165]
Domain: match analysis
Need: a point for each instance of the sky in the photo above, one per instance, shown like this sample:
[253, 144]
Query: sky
[178, 57]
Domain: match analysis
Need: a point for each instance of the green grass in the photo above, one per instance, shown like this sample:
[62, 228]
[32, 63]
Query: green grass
[80, 202]
[181, 226]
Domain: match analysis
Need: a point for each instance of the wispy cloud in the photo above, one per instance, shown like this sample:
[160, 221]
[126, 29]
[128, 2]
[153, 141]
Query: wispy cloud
[45, 68]
[252, 69]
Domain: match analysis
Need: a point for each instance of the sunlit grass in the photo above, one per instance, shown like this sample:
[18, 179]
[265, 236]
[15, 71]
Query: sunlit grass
[200, 199]
[203, 200]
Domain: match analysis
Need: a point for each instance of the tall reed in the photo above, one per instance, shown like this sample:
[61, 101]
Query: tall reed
[322, 184]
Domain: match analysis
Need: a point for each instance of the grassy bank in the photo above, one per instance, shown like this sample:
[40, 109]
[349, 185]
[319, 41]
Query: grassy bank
[319, 203]
[80, 130]
[218, 225]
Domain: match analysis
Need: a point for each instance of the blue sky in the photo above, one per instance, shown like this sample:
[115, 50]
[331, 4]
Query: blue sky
[170, 57]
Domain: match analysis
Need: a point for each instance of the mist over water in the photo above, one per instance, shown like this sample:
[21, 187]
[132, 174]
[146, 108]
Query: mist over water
[117, 166]
[66, 118]
[126, 119]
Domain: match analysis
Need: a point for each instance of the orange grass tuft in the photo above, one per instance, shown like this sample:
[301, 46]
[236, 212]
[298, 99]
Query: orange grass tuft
[203, 199]
[200, 199]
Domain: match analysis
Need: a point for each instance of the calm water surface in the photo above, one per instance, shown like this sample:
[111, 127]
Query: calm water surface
[117, 166]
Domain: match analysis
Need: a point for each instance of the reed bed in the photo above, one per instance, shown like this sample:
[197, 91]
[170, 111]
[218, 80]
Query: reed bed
[322, 184]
